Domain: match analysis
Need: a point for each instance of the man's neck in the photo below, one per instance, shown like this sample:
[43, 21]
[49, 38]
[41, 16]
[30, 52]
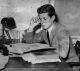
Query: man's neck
[51, 28]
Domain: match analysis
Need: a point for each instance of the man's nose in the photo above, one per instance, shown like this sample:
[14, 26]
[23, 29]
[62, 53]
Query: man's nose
[42, 24]
[42, 21]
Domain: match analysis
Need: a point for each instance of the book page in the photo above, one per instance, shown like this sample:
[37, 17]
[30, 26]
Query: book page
[23, 47]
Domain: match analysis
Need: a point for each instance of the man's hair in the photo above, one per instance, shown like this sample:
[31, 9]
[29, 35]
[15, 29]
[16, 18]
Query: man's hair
[48, 8]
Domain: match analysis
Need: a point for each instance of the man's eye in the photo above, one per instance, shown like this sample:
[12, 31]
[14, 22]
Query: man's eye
[45, 18]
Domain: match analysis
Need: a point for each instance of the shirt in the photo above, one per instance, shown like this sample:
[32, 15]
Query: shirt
[50, 29]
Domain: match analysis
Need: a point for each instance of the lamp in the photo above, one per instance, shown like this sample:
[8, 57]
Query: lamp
[7, 22]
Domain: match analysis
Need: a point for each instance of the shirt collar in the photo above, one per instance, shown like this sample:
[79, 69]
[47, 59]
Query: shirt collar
[50, 29]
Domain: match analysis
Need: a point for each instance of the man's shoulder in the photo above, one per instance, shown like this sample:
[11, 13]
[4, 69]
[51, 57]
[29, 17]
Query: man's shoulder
[62, 27]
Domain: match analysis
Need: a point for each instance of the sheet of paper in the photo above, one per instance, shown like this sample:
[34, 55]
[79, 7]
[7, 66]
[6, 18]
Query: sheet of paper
[3, 60]
[30, 57]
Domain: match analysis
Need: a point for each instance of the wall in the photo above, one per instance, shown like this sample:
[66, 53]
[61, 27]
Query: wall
[69, 14]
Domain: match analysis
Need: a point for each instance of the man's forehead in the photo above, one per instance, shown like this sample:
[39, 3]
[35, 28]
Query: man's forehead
[44, 15]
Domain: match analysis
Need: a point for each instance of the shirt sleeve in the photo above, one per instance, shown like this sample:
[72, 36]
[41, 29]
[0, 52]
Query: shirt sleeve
[27, 37]
[38, 37]
[30, 37]
[63, 43]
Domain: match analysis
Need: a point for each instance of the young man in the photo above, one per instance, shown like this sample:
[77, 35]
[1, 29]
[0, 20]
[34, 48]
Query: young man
[54, 34]
[58, 36]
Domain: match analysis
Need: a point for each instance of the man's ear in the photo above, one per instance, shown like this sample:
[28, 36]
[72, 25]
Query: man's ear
[52, 18]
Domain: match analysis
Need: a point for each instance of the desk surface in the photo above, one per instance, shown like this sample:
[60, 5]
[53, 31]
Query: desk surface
[18, 64]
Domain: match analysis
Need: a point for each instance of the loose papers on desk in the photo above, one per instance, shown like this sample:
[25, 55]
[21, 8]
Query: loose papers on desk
[34, 59]
[21, 48]
[3, 60]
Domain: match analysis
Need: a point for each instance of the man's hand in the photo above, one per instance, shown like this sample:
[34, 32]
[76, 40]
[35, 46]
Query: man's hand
[34, 21]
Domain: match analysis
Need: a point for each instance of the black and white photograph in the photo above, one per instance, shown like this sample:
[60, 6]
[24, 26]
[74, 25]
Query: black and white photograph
[39, 35]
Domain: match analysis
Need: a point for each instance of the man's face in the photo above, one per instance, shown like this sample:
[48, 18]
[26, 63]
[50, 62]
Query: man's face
[45, 20]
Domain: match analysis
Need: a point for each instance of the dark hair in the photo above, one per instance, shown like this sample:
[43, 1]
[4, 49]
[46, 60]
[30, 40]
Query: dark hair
[48, 8]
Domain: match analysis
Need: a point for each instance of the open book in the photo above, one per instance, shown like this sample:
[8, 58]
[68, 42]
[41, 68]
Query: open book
[22, 48]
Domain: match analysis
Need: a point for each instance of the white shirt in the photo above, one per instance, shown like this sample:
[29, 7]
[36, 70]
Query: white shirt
[50, 29]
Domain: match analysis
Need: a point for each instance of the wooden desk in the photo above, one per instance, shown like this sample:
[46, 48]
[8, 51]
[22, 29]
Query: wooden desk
[18, 64]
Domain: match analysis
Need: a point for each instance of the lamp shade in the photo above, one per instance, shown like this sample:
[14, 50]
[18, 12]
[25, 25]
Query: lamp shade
[8, 22]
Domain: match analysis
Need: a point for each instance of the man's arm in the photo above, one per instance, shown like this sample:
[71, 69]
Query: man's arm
[30, 37]
[63, 43]
[27, 37]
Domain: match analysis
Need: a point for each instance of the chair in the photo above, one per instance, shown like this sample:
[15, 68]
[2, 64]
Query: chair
[76, 64]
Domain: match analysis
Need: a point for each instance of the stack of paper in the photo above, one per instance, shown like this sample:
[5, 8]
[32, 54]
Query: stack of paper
[30, 57]
[27, 52]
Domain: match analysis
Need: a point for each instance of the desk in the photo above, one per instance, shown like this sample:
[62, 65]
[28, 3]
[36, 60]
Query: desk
[18, 64]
